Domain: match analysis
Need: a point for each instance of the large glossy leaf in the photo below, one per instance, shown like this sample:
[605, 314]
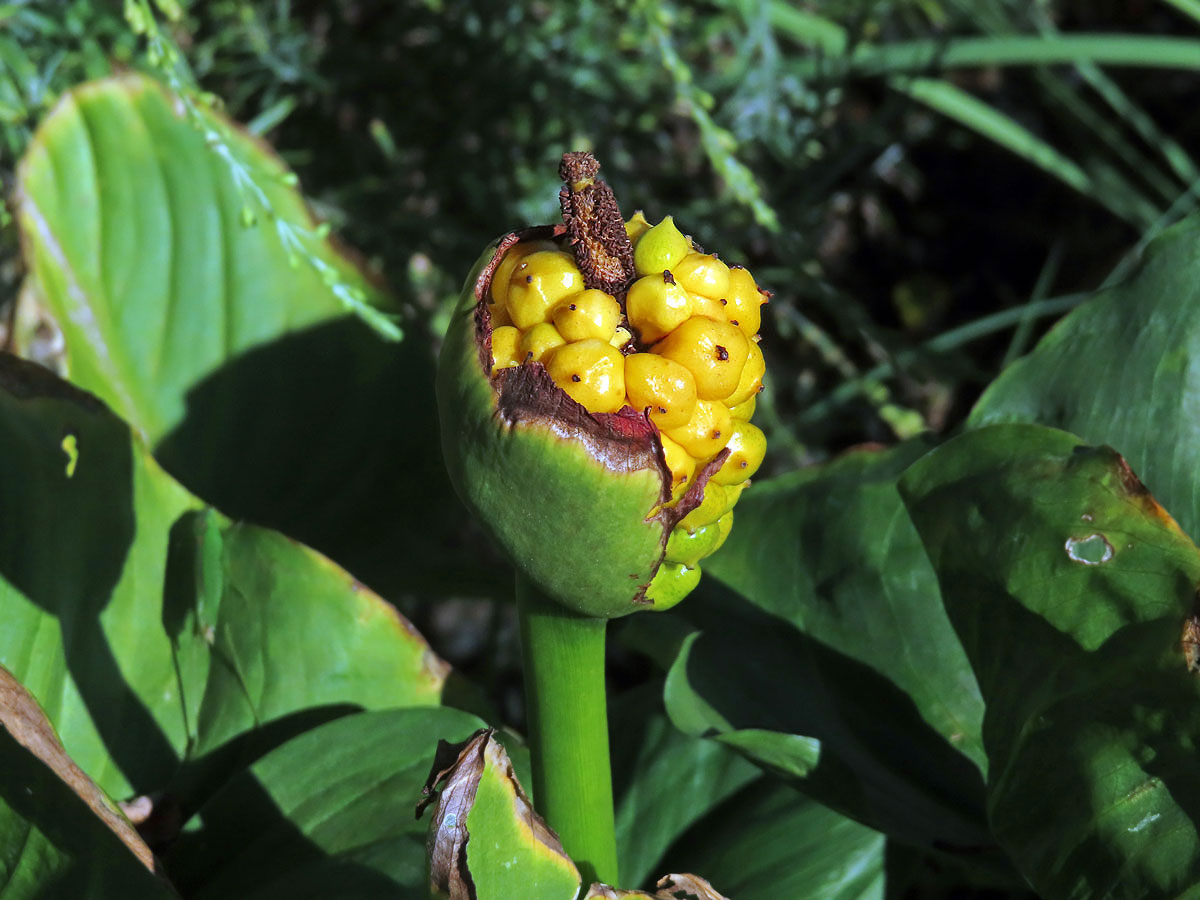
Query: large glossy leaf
[1121, 370]
[328, 814]
[163, 640]
[59, 834]
[766, 690]
[221, 341]
[839, 637]
[771, 842]
[1071, 589]
[831, 551]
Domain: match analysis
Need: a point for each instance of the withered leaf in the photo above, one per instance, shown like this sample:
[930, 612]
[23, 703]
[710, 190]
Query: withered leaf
[458, 769]
[23, 718]
[670, 887]
[684, 887]
[460, 766]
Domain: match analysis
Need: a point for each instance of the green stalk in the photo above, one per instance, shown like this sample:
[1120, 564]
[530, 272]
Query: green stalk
[563, 656]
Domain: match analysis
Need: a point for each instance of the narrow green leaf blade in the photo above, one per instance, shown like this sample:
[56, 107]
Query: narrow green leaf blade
[1070, 588]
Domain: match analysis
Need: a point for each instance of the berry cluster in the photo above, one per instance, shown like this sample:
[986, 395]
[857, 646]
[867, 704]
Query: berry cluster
[680, 346]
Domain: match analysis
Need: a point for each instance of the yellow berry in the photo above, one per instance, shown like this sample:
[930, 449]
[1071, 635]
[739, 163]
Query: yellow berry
[539, 341]
[703, 273]
[504, 271]
[747, 446]
[714, 352]
[750, 382]
[539, 281]
[671, 583]
[659, 248]
[744, 411]
[725, 524]
[707, 307]
[661, 387]
[681, 463]
[706, 432]
[505, 347]
[744, 301]
[656, 305]
[689, 547]
[620, 337]
[499, 314]
[718, 501]
[592, 373]
[637, 225]
[588, 314]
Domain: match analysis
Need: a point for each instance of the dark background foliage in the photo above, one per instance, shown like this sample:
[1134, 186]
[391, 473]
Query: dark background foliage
[422, 130]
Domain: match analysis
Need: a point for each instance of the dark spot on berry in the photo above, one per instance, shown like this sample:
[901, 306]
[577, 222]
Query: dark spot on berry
[722, 353]
[662, 410]
[576, 378]
[529, 355]
[724, 302]
[668, 277]
[683, 479]
[572, 307]
[744, 464]
[716, 433]
[733, 321]
[529, 279]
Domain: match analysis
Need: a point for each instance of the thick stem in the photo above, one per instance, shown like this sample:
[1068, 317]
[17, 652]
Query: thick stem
[563, 655]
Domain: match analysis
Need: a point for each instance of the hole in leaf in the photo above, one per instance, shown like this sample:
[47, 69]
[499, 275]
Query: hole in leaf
[1091, 550]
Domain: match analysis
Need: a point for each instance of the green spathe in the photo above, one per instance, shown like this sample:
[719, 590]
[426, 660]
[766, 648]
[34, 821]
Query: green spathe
[578, 522]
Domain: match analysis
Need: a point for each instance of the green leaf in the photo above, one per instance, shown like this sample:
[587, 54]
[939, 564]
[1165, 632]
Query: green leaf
[1119, 371]
[59, 834]
[664, 781]
[787, 754]
[198, 300]
[156, 632]
[1071, 588]
[772, 693]
[328, 814]
[771, 842]
[831, 550]
[851, 651]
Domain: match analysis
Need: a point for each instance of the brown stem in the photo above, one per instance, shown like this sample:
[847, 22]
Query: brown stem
[602, 249]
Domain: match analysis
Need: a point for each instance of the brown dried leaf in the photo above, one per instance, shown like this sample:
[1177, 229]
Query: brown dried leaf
[604, 892]
[460, 766]
[21, 716]
[679, 887]
[670, 887]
